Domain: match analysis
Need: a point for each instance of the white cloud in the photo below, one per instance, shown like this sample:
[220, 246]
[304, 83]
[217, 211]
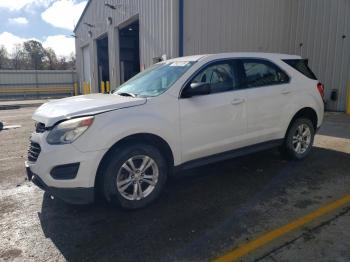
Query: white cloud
[19, 20]
[15, 5]
[64, 13]
[62, 45]
[9, 40]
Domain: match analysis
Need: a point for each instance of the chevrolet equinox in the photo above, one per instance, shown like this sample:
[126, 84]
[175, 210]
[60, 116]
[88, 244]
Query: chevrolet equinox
[177, 114]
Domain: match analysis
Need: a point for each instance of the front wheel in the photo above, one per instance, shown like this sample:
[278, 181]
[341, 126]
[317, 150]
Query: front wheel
[299, 139]
[134, 176]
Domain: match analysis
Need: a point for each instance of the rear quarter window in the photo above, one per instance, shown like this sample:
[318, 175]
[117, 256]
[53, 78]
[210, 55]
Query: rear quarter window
[302, 66]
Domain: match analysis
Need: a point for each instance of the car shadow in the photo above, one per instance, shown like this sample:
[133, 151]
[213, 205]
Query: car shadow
[198, 211]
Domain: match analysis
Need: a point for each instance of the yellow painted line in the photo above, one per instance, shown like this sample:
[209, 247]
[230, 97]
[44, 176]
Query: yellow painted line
[34, 90]
[37, 91]
[348, 101]
[30, 87]
[279, 232]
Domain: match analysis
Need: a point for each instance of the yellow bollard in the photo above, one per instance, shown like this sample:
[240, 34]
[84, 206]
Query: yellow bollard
[102, 87]
[76, 89]
[108, 87]
[84, 88]
[348, 104]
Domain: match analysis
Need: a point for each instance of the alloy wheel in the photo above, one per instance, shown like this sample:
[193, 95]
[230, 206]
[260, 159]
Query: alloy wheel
[137, 177]
[302, 139]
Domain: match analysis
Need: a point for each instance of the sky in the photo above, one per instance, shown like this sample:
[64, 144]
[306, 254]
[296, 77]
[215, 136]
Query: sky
[48, 21]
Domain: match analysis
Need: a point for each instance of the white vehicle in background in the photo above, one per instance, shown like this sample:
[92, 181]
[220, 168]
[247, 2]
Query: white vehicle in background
[178, 114]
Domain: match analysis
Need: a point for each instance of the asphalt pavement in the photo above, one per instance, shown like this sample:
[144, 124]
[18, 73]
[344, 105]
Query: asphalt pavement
[202, 214]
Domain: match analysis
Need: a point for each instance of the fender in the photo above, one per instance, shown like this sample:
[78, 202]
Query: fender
[308, 100]
[112, 127]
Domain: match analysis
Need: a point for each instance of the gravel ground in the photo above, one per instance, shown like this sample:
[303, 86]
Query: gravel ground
[202, 213]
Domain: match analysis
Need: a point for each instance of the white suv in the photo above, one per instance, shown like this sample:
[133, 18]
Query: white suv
[177, 114]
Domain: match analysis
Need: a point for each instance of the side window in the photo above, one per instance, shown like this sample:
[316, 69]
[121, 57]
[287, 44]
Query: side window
[219, 76]
[261, 73]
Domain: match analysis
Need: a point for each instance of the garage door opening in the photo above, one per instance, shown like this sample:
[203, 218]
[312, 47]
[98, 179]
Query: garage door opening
[129, 51]
[102, 62]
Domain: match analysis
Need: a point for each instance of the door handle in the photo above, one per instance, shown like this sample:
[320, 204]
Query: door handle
[237, 101]
[286, 92]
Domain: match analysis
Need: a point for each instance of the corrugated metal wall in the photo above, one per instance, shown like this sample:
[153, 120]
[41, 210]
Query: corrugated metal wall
[311, 28]
[236, 25]
[158, 32]
[36, 84]
[317, 32]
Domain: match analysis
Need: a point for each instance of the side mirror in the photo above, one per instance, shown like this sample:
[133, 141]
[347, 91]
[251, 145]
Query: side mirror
[196, 89]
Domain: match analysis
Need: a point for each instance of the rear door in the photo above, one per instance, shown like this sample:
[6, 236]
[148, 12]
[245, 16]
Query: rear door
[267, 93]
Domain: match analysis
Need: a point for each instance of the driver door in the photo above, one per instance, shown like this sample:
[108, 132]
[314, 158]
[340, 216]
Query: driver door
[216, 122]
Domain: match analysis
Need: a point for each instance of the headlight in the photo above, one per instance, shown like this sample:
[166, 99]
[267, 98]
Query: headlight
[69, 130]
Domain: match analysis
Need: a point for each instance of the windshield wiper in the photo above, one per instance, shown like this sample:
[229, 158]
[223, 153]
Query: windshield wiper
[127, 94]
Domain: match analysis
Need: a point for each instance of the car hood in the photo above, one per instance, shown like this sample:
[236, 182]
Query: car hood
[54, 111]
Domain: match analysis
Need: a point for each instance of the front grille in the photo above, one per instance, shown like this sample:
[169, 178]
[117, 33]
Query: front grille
[34, 151]
[40, 127]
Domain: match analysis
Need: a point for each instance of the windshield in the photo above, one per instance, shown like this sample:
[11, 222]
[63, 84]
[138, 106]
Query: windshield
[155, 80]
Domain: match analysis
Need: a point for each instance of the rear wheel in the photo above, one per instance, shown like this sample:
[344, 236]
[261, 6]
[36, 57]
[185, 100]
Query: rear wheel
[299, 139]
[134, 176]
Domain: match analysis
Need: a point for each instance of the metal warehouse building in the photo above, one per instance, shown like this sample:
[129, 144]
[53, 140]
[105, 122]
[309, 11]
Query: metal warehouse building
[118, 38]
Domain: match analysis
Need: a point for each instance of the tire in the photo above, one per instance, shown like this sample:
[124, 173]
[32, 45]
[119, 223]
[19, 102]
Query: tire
[299, 139]
[119, 171]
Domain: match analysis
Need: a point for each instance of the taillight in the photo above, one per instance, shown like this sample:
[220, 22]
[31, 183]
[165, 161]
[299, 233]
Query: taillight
[320, 88]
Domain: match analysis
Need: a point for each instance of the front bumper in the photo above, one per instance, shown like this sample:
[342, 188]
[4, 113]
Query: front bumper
[49, 170]
[69, 195]
[52, 156]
